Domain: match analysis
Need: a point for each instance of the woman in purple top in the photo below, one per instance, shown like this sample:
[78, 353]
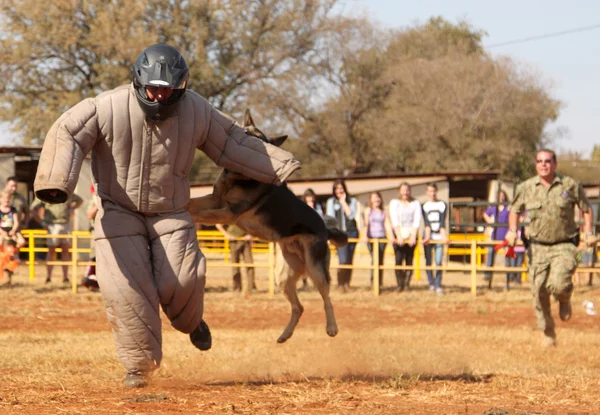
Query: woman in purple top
[377, 226]
[496, 216]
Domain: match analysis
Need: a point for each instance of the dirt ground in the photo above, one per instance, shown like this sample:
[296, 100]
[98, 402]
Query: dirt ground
[345, 375]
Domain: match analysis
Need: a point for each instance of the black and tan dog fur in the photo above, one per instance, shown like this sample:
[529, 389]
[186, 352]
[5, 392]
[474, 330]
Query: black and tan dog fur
[274, 213]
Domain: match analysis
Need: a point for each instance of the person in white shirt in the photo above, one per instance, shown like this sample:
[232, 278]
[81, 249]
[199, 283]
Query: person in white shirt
[434, 214]
[405, 216]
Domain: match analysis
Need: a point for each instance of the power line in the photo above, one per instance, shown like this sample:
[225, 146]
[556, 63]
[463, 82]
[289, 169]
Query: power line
[545, 36]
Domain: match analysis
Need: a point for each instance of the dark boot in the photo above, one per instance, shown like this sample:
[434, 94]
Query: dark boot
[564, 311]
[90, 283]
[237, 282]
[341, 282]
[347, 277]
[400, 279]
[407, 277]
[135, 380]
[201, 337]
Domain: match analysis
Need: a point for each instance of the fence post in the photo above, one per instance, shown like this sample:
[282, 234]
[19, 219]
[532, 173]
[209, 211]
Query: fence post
[271, 268]
[227, 250]
[31, 256]
[375, 268]
[474, 267]
[417, 260]
[525, 265]
[74, 255]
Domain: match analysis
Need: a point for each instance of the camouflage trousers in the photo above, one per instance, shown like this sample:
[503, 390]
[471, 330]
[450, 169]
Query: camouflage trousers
[551, 270]
[239, 250]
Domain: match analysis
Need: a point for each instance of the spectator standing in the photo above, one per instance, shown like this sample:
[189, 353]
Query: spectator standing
[142, 137]
[36, 221]
[240, 249]
[435, 236]
[516, 261]
[57, 220]
[18, 200]
[11, 239]
[497, 218]
[310, 198]
[344, 208]
[405, 215]
[549, 200]
[376, 226]
[587, 257]
[10, 221]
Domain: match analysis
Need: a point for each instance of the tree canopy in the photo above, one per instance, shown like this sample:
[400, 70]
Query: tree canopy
[431, 100]
[353, 98]
[56, 53]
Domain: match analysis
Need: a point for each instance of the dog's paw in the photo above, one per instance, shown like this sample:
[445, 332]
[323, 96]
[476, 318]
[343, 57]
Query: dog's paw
[332, 331]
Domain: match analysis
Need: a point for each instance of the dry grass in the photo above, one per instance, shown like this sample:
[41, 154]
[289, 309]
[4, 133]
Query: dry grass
[398, 353]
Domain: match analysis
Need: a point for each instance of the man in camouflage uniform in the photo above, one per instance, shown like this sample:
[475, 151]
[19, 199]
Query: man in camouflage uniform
[57, 220]
[549, 200]
[18, 200]
[240, 249]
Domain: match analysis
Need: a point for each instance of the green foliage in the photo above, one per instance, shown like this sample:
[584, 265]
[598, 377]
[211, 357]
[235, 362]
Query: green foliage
[240, 52]
[353, 98]
[574, 165]
[595, 156]
[428, 99]
[520, 167]
[203, 169]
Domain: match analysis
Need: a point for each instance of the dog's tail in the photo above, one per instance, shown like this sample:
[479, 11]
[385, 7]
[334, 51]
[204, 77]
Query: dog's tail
[337, 237]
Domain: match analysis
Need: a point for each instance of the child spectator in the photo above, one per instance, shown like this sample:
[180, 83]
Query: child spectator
[10, 222]
[10, 237]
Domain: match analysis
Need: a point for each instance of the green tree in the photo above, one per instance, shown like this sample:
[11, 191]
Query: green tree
[595, 156]
[573, 163]
[431, 100]
[54, 54]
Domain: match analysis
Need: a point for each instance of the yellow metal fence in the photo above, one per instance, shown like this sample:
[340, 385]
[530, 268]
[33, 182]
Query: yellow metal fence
[215, 242]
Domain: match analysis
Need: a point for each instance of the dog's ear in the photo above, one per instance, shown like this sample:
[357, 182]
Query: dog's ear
[248, 121]
[278, 141]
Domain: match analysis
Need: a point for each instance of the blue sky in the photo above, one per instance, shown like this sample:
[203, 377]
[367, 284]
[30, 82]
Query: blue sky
[569, 63]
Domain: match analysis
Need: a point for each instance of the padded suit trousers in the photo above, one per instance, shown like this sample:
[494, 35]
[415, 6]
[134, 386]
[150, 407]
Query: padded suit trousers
[144, 262]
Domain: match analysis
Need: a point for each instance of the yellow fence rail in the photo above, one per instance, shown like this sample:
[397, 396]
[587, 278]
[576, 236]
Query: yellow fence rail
[215, 242]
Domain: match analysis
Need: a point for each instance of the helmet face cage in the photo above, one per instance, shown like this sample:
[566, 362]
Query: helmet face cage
[160, 66]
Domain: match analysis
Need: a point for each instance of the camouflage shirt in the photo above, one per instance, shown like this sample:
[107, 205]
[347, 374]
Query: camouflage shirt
[20, 203]
[57, 212]
[235, 231]
[550, 211]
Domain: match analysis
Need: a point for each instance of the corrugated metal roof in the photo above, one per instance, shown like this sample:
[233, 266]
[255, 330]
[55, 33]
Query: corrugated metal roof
[357, 185]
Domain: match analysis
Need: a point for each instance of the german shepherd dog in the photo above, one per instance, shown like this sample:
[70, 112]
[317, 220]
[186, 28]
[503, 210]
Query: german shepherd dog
[273, 213]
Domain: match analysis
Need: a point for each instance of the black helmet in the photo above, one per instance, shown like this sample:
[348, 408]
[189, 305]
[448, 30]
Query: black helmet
[160, 65]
